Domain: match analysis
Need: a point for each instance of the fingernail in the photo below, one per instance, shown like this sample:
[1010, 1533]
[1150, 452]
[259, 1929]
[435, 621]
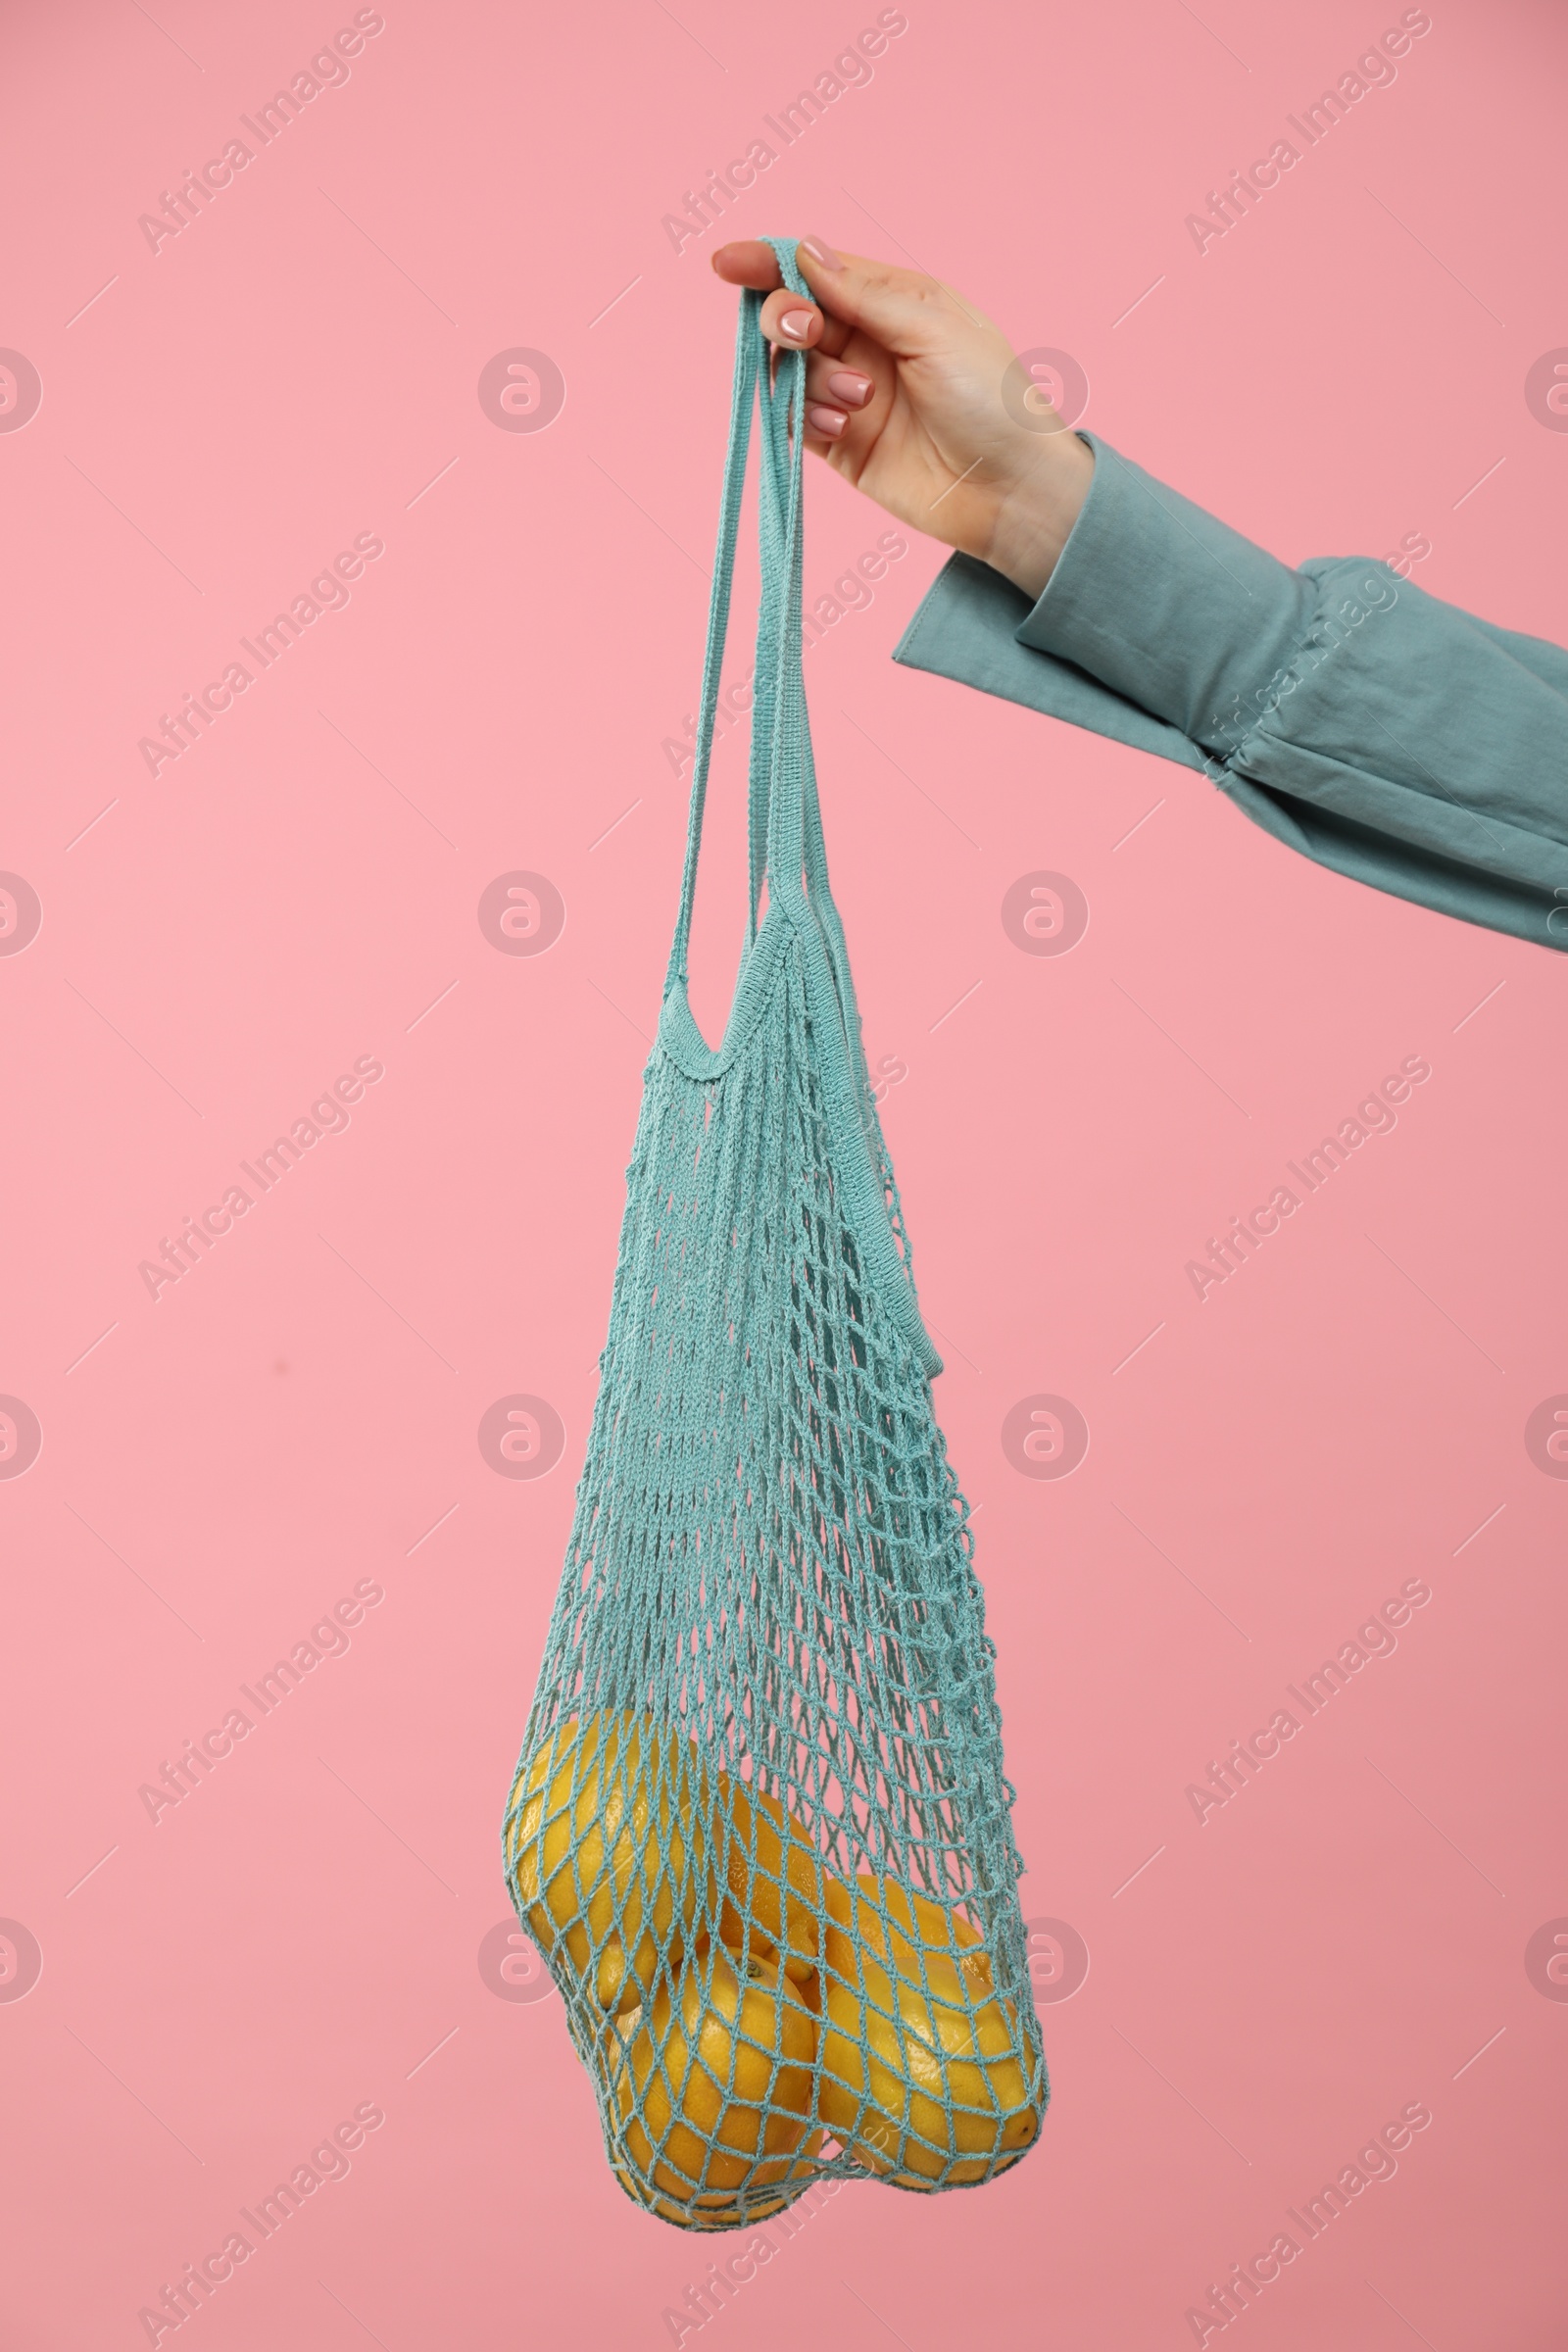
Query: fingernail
[797, 325]
[856, 389]
[823, 255]
[831, 422]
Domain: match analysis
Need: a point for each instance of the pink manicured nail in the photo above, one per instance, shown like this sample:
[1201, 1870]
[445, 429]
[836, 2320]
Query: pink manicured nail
[856, 389]
[831, 422]
[797, 325]
[821, 253]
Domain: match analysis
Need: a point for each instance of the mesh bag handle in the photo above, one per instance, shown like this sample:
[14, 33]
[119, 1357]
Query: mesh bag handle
[778, 685]
[786, 848]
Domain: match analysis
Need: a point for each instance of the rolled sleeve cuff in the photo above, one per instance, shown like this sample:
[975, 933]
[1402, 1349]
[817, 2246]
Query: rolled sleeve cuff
[1165, 605]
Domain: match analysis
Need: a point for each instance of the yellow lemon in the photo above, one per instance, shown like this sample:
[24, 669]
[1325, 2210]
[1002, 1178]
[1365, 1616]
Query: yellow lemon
[746, 1944]
[775, 1878]
[892, 2063]
[601, 1852]
[903, 1928]
[712, 2089]
[711, 2217]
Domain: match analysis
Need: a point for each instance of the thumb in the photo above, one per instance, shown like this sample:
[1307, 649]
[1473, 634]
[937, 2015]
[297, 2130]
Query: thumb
[908, 313]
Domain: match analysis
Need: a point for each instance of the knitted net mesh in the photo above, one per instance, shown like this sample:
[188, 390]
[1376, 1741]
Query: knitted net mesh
[759, 1828]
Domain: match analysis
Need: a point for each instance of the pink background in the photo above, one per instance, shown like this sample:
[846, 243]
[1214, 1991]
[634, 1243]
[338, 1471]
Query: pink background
[301, 1934]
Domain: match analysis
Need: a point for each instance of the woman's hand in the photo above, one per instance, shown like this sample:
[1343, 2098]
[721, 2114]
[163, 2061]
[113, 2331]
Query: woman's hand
[904, 398]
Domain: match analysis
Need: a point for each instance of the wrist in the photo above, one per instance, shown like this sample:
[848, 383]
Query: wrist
[1034, 513]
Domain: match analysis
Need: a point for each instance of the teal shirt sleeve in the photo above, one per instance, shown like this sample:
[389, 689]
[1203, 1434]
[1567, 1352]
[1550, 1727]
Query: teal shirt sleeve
[1371, 726]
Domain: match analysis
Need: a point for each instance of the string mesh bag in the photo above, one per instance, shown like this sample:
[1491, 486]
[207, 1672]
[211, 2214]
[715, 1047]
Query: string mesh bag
[760, 1827]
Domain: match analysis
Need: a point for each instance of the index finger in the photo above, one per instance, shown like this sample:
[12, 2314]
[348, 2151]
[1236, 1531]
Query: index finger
[748, 262]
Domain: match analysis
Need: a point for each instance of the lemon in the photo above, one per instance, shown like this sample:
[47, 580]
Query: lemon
[904, 1930]
[895, 2061]
[746, 1944]
[710, 2090]
[601, 1849]
[775, 1880]
[719, 2216]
